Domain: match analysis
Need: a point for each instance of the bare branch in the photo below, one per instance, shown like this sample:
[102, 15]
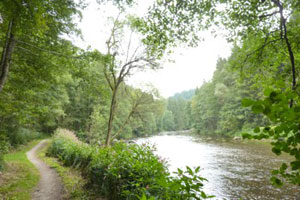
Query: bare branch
[260, 49]
[128, 47]
[107, 78]
[135, 52]
[269, 15]
[109, 43]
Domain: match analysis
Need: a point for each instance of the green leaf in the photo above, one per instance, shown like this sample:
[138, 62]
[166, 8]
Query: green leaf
[246, 136]
[257, 108]
[203, 195]
[275, 172]
[256, 130]
[283, 167]
[277, 182]
[143, 197]
[267, 92]
[247, 102]
[295, 165]
[276, 150]
[273, 96]
[267, 110]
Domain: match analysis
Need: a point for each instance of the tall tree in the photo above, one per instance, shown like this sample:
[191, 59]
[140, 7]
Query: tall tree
[27, 21]
[119, 65]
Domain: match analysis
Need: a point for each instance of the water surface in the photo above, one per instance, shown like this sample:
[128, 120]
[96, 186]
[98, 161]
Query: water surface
[234, 169]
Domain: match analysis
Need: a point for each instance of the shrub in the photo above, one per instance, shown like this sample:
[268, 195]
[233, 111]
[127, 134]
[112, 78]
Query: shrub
[126, 171]
[12, 138]
[75, 154]
[23, 136]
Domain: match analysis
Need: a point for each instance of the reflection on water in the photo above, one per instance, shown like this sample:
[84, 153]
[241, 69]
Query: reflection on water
[234, 169]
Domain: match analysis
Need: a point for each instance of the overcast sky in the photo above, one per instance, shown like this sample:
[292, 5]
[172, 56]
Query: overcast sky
[191, 65]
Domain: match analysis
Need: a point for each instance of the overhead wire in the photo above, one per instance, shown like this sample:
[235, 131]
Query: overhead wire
[47, 50]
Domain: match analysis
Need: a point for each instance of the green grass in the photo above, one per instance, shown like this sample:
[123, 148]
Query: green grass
[72, 180]
[19, 176]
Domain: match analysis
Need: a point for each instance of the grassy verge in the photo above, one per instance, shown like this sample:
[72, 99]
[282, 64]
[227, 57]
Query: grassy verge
[72, 180]
[19, 176]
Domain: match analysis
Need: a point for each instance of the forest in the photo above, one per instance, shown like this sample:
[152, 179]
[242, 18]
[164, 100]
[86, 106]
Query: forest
[80, 101]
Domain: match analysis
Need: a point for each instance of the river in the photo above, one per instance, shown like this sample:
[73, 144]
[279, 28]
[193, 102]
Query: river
[234, 169]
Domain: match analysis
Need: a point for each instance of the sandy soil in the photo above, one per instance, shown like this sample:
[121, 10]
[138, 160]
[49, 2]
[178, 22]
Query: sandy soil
[50, 186]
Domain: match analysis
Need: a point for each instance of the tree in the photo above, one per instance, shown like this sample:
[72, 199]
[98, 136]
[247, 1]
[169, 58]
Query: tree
[30, 23]
[120, 65]
[168, 121]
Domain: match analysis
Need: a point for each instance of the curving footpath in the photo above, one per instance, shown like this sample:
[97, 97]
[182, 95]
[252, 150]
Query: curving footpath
[50, 186]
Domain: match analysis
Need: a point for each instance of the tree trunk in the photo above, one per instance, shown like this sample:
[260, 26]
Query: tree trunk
[6, 54]
[123, 126]
[289, 46]
[111, 116]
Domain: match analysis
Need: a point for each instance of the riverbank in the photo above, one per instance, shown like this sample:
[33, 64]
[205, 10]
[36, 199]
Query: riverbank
[213, 137]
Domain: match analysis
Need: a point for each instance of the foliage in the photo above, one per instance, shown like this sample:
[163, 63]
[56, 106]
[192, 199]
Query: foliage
[179, 108]
[185, 185]
[285, 132]
[20, 137]
[34, 93]
[127, 171]
[177, 115]
[187, 94]
[169, 23]
[4, 148]
[23, 136]
[216, 107]
[168, 121]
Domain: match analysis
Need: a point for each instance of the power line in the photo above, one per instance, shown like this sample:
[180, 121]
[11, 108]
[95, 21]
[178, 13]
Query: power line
[48, 51]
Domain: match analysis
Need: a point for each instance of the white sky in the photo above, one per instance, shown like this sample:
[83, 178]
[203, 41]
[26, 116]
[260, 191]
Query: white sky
[191, 67]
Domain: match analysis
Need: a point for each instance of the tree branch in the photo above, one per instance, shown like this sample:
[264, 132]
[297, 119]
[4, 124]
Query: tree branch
[268, 15]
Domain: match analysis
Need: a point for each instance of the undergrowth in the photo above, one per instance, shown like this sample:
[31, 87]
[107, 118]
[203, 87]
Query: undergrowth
[126, 171]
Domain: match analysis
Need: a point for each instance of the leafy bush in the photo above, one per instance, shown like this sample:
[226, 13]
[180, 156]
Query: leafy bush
[12, 138]
[23, 136]
[124, 171]
[72, 152]
[127, 171]
[186, 185]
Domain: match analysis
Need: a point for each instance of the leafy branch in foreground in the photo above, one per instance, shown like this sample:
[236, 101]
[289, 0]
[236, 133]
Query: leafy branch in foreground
[284, 133]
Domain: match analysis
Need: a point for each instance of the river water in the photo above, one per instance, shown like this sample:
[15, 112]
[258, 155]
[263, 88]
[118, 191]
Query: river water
[234, 169]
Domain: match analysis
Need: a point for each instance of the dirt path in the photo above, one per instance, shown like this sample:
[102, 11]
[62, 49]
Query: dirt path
[49, 187]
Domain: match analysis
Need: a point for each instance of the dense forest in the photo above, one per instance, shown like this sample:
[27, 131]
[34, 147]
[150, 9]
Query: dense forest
[48, 84]
[216, 108]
